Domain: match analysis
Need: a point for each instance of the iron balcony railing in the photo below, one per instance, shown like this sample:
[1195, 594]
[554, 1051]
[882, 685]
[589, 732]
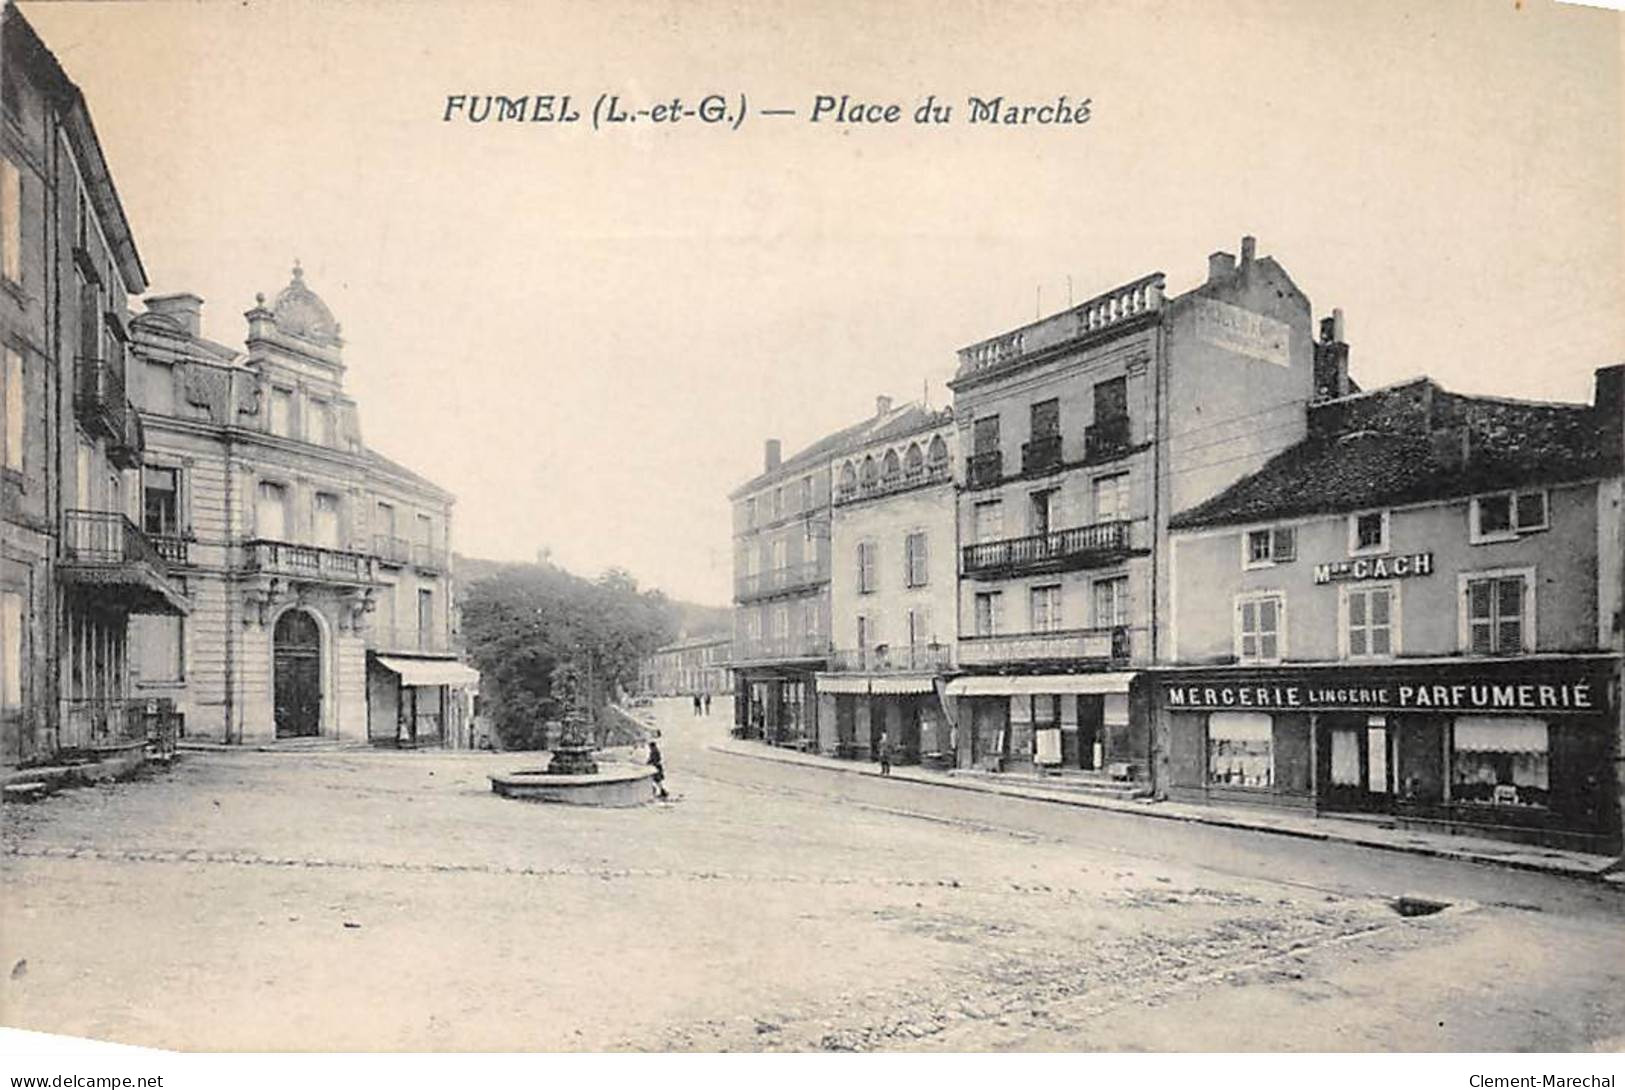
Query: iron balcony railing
[984, 468]
[407, 638]
[1080, 546]
[770, 648]
[784, 580]
[1098, 644]
[99, 399]
[898, 482]
[1041, 455]
[309, 562]
[884, 658]
[391, 549]
[1106, 439]
[106, 537]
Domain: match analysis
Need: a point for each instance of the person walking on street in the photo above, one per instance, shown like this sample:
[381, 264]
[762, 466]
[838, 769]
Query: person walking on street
[696, 703]
[658, 763]
[708, 704]
[884, 751]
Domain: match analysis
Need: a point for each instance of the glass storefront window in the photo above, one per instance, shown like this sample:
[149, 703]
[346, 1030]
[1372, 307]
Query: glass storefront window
[1501, 761]
[1240, 749]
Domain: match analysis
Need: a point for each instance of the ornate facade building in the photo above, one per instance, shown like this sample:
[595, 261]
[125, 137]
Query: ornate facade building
[320, 570]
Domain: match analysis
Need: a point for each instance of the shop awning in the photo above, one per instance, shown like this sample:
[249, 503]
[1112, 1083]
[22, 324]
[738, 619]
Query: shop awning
[1040, 683]
[879, 686]
[431, 671]
[1486, 734]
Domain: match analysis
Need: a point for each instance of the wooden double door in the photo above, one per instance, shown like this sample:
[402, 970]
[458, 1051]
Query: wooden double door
[297, 675]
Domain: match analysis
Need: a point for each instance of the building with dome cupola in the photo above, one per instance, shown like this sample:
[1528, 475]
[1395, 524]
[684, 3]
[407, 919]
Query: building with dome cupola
[320, 570]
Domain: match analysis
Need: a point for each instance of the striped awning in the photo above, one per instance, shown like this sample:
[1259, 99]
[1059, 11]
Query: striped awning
[1040, 684]
[878, 685]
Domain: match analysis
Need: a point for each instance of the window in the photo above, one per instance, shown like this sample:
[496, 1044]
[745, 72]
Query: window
[11, 649]
[778, 502]
[1240, 749]
[866, 567]
[781, 554]
[160, 500]
[781, 622]
[1038, 510]
[1111, 602]
[1046, 608]
[425, 616]
[750, 511]
[281, 411]
[871, 472]
[985, 435]
[989, 521]
[919, 627]
[15, 400]
[809, 619]
[321, 422]
[1111, 400]
[1370, 622]
[891, 467]
[914, 462]
[1111, 497]
[325, 519]
[271, 512]
[937, 453]
[1500, 761]
[1046, 419]
[158, 388]
[11, 221]
[849, 479]
[1268, 546]
[1498, 616]
[914, 559]
[806, 493]
[157, 647]
[987, 613]
[1258, 628]
[386, 519]
[1502, 516]
[1368, 533]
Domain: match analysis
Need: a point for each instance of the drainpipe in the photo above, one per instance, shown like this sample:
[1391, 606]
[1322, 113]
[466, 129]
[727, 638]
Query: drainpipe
[1158, 537]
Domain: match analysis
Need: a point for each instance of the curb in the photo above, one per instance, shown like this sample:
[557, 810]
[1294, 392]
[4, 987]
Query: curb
[1600, 875]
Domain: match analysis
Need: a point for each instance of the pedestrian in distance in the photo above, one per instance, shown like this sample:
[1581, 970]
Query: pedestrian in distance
[708, 704]
[883, 751]
[658, 763]
[696, 703]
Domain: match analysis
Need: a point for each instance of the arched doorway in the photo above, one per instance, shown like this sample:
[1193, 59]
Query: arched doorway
[297, 660]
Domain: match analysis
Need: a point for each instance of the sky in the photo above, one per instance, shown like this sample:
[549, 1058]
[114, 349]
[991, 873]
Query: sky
[587, 335]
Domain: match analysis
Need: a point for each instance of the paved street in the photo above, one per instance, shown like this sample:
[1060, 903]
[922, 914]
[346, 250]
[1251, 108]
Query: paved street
[360, 901]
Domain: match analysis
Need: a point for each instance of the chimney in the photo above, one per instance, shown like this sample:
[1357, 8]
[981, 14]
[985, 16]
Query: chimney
[1248, 245]
[1219, 266]
[882, 405]
[182, 307]
[771, 457]
[1331, 359]
[1610, 403]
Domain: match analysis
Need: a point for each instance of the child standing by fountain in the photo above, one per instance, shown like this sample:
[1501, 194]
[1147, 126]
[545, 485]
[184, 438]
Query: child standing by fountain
[659, 765]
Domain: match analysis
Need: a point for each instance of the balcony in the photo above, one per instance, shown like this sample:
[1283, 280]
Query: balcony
[99, 400]
[1062, 645]
[126, 451]
[175, 550]
[919, 657]
[1106, 439]
[108, 556]
[1041, 455]
[391, 550]
[1058, 550]
[780, 649]
[984, 468]
[790, 580]
[901, 482]
[407, 639]
[1131, 305]
[309, 563]
[428, 558]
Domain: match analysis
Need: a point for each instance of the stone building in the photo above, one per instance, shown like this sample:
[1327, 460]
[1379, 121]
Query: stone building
[1080, 434]
[1415, 612]
[74, 567]
[320, 570]
[688, 666]
[893, 598]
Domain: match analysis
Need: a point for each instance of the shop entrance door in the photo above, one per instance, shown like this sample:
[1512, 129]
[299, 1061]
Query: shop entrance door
[1091, 730]
[1354, 761]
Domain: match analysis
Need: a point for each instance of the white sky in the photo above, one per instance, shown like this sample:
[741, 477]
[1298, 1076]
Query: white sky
[587, 336]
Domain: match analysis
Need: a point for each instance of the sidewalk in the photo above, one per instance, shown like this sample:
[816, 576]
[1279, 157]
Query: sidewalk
[1309, 827]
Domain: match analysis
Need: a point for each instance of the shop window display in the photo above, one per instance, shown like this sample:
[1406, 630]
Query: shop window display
[1501, 761]
[1240, 751]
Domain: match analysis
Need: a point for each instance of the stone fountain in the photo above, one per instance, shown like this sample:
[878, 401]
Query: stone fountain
[572, 774]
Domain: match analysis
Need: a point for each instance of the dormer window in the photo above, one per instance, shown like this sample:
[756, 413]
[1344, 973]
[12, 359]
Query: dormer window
[1502, 516]
[1269, 545]
[1368, 533]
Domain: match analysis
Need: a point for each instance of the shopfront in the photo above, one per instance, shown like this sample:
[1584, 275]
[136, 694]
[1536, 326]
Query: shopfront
[1060, 721]
[1520, 749]
[904, 707]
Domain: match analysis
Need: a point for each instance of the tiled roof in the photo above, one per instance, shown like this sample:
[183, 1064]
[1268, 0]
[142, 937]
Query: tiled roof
[904, 420]
[1412, 444]
[389, 465]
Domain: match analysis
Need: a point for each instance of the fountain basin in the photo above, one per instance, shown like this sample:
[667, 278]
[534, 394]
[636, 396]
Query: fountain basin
[623, 786]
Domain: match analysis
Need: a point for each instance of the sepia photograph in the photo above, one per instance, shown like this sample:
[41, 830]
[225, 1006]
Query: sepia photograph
[1091, 532]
